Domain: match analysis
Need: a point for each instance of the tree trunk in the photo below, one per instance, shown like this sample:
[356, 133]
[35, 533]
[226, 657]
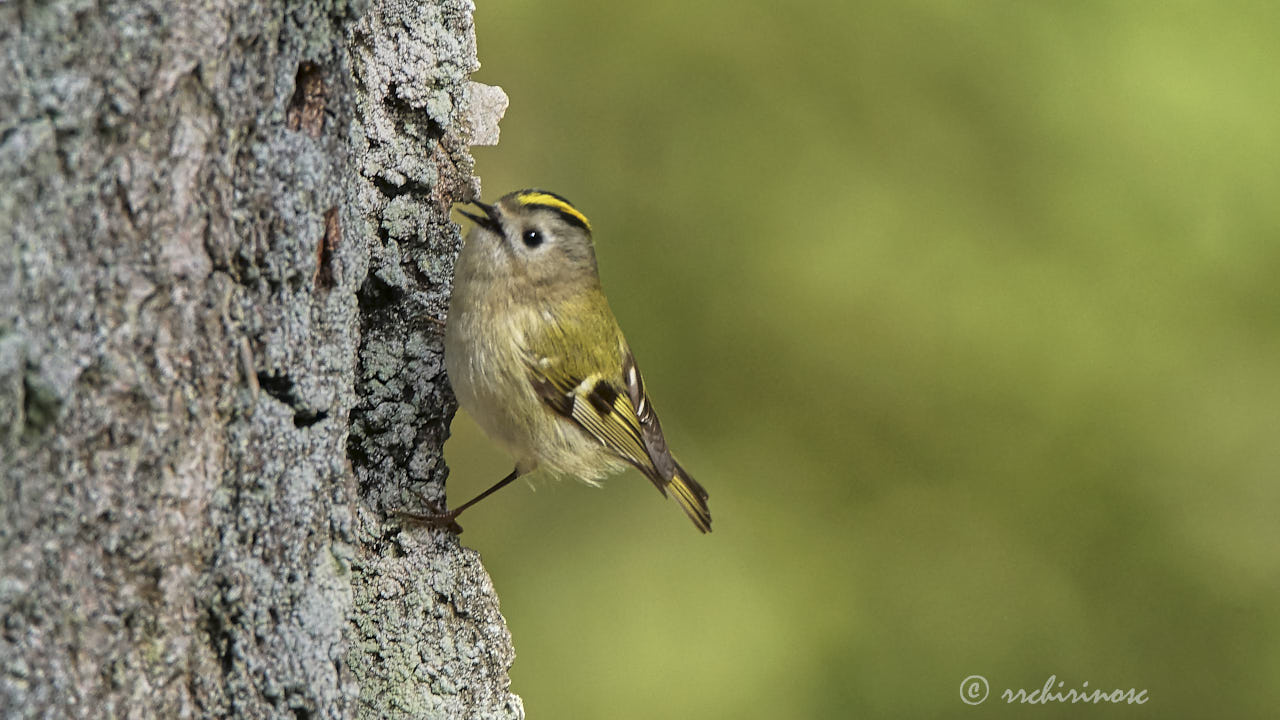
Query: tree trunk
[226, 256]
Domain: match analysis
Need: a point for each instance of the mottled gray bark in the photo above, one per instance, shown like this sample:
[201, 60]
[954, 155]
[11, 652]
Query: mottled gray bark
[224, 250]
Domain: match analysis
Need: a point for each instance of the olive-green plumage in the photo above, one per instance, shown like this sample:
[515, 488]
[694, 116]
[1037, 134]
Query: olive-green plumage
[535, 355]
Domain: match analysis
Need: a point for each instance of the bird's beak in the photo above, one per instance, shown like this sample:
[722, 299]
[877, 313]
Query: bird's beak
[489, 220]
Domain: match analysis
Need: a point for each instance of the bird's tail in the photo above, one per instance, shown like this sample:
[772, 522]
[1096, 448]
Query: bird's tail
[692, 498]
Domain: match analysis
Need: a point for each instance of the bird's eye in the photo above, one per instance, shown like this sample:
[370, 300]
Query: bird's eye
[531, 238]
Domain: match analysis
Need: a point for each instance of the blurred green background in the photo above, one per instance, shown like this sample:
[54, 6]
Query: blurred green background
[967, 315]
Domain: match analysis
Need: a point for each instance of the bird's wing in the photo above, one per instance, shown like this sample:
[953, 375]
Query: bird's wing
[623, 420]
[668, 472]
[594, 403]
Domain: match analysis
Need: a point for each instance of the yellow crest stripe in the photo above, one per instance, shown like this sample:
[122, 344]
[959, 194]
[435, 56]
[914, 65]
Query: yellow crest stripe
[555, 202]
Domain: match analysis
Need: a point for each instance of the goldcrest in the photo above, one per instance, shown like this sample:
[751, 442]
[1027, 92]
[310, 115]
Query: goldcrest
[535, 355]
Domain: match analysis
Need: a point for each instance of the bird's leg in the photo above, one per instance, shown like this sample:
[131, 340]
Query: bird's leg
[436, 517]
[446, 519]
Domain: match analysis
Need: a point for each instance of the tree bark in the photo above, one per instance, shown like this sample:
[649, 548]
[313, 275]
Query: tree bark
[226, 257]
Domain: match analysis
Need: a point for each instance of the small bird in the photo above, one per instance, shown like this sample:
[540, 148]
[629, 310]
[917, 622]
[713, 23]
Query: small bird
[535, 355]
